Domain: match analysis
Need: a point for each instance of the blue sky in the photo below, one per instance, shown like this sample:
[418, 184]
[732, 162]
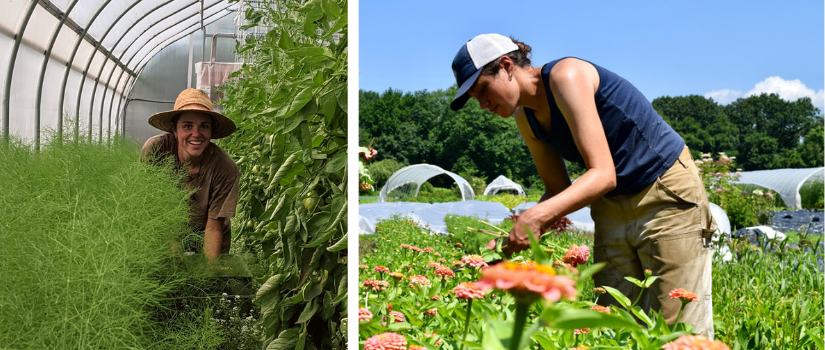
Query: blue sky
[718, 49]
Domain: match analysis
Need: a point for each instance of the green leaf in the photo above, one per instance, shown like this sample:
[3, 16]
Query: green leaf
[634, 281]
[269, 286]
[591, 270]
[337, 163]
[621, 298]
[571, 318]
[287, 340]
[309, 311]
[299, 101]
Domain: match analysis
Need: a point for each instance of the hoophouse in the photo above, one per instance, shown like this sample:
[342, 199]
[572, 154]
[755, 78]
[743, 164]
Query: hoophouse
[99, 68]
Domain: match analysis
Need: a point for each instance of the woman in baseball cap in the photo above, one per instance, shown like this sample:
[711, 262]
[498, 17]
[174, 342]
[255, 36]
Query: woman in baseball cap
[190, 126]
[647, 199]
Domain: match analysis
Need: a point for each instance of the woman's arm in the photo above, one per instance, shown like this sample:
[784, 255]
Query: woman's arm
[574, 84]
[212, 238]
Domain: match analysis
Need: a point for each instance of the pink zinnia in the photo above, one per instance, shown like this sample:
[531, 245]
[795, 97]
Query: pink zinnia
[397, 316]
[377, 285]
[436, 297]
[431, 312]
[428, 249]
[576, 255]
[528, 282]
[444, 272]
[417, 347]
[419, 280]
[432, 263]
[695, 342]
[380, 268]
[364, 314]
[581, 331]
[386, 341]
[468, 290]
[406, 246]
[416, 249]
[682, 294]
[456, 262]
[474, 260]
[441, 260]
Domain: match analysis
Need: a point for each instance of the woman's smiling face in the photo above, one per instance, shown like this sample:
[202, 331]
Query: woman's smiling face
[193, 132]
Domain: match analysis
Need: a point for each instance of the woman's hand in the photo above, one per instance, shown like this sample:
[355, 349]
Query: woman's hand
[518, 234]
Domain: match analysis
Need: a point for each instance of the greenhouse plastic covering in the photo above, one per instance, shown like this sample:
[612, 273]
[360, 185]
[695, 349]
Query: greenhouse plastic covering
[502, 183]
[72, 63]
[418, 174]
[429, 216]
[786, 182]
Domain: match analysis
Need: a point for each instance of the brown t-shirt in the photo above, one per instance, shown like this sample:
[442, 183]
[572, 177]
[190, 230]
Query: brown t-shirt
[215, 184]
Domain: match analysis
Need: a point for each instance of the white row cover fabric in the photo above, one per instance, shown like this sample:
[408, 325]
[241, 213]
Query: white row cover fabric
[786, 182]
[429, 216]
[502, 183]
[69, 62]
[418, 174]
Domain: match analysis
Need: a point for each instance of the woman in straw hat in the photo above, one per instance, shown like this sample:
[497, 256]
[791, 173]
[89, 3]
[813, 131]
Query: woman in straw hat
[211, 173]
[647, 199]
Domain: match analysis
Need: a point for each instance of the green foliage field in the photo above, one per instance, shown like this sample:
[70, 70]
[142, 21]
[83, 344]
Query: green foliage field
[762, 300]
[291, 111]
[87, 240]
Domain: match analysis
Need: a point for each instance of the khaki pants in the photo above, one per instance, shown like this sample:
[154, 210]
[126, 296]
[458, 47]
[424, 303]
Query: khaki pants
[666, 228]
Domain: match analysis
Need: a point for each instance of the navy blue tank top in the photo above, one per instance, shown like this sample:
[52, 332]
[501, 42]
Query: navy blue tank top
[643, 146]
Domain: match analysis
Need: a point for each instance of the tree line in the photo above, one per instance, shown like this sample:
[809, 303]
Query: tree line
[762, 131]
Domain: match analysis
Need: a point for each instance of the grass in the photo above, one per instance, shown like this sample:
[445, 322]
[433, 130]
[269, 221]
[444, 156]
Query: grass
[87, 231]
[87, 253]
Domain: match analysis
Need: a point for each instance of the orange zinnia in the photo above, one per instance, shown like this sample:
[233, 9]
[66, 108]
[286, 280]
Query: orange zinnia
[386, 341]
[364, 314]
[682, 294]
[694, 342]
[529, 281]
[468, 290]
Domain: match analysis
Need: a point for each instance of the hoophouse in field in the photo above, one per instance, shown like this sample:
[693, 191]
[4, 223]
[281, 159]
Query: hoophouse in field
[99, 68]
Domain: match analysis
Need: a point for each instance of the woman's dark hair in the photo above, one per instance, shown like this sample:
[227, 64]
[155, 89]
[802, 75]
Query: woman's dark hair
[520, 57]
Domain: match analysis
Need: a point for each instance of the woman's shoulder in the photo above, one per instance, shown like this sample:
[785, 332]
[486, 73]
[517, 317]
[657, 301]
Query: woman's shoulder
[158, 143]
[223, 162]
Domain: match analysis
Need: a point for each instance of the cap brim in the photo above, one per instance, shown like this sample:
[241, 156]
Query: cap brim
[461, 96]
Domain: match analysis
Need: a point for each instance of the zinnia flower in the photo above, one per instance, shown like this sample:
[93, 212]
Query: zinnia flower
[576, 255]
[377, 285]
[406, 246]
[397, 275]
[602, 309]
[474, 260]
[581, 331]
[380, 268]
[419, 280]
[364, 314]
[431, 312]
[682, 294]
[527, 282]
[416, 347]
[458, 244]
[363, 266]
[599, 290]
[417, 249]
[428, 249]
[432, 263]
[444, 272]
[695, 342]
[436, 297]
[397, 316]
[468, 290]
[386, 341]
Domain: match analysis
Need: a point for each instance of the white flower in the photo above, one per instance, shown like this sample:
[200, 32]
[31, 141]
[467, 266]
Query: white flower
[705, 155]
[757, 192]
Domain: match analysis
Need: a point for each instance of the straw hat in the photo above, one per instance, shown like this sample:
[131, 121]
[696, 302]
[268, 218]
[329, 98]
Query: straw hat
[193, 100]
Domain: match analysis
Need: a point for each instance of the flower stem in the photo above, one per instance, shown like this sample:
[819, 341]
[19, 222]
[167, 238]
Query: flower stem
[521, 320]
[679, 317]
[466, 323]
